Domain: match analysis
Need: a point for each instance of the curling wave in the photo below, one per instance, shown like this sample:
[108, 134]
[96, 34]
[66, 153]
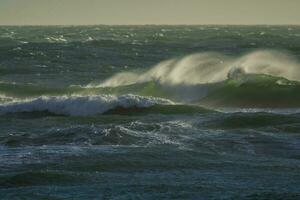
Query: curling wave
[258, 79]
[203, 68]
[239, 91]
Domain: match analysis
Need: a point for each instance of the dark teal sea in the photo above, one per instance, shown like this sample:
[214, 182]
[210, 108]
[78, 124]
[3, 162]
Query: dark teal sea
[150, 112]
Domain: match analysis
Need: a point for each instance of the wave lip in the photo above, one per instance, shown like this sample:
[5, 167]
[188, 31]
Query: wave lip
[80, 105]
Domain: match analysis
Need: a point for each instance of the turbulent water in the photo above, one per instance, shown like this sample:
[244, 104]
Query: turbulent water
[150, 112]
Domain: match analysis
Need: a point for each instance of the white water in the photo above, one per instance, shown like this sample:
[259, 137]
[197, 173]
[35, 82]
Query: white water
[80, 105]
[205, 68]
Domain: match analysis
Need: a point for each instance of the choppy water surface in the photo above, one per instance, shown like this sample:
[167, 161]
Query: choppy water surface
[150, 112]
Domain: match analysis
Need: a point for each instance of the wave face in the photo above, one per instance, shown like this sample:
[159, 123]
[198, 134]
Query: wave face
[80, 105]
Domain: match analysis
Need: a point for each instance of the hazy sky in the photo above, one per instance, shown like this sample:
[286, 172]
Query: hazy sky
[49, 12]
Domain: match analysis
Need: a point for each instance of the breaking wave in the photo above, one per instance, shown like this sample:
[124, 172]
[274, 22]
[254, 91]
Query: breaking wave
[261, 79]
[81, 105]
[203, 68]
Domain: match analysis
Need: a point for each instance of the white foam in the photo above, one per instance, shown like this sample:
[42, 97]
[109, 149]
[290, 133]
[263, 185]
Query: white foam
[80, 105]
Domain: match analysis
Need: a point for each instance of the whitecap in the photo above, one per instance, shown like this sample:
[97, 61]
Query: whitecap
[79, 105]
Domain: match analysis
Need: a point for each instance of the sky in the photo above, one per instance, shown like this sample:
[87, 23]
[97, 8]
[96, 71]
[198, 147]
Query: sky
[124, 12]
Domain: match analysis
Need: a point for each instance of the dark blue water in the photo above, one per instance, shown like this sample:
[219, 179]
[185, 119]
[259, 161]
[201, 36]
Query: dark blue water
[150, 112]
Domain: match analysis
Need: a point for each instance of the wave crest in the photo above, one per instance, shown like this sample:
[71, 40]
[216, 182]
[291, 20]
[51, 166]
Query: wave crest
[203, 68]
[80, 105]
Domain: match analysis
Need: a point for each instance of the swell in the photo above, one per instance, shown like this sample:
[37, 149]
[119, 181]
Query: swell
[240, 91]
[255, 91]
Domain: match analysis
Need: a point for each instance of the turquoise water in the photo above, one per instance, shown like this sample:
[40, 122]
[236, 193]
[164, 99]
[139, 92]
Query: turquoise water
[150, 112]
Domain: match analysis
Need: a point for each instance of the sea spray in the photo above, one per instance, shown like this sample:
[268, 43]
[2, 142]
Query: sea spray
[202, 68]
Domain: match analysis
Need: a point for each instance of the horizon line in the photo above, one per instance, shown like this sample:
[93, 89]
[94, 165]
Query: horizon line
[150, 24]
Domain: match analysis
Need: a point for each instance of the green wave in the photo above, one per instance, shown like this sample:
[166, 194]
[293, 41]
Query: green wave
[255, 91]
[243, 91]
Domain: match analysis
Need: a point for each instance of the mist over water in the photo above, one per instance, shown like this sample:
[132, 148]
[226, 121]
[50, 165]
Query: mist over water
[150, 112]
[203, 68]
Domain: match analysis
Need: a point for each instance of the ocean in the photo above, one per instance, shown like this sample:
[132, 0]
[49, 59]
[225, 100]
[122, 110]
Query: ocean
[150, 112]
